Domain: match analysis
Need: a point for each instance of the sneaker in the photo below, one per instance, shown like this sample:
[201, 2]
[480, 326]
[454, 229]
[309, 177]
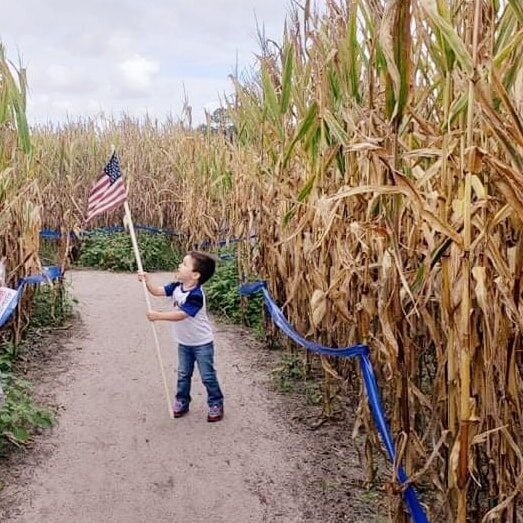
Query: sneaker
[179, 409]
[215, 413]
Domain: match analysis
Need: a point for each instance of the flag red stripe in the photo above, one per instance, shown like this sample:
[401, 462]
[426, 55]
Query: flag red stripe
[108, 207]
[100, 186]
[108, 200]
[116, 188]
[93, 197]
[117, 198]
[111, 198]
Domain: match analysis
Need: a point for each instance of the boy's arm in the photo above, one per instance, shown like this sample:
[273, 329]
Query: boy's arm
[167, 315]
[155, 290]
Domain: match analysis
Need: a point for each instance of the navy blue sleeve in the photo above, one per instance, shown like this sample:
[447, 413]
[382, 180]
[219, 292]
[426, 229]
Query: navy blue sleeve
[193, 303]
[169, 288]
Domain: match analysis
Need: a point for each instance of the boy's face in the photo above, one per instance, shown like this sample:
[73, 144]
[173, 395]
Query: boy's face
[186, 273]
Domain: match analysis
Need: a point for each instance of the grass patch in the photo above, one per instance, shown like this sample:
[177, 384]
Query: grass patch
[20, 416]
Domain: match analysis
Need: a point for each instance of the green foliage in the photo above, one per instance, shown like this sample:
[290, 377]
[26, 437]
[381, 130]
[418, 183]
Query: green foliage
[288, 372]
[18, 416]
[13, 100]
[290, 376]
[224, 298]
[114, 252]
[52, 305]
[7, 355]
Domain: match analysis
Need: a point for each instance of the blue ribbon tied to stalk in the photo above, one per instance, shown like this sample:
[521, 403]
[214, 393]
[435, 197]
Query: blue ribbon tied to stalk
[361, 351]
[48, 274]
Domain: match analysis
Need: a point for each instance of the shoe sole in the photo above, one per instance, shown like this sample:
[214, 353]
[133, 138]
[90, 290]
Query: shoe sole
[214, 419]
[180, 414]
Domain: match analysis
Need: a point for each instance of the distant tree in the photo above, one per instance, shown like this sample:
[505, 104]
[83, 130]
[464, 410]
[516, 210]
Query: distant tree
[219, 122]
[220, 117]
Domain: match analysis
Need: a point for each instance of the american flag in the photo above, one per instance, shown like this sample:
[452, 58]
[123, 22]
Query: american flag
[109, 191]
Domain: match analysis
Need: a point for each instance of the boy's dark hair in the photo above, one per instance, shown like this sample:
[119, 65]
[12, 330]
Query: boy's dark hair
[204, 264]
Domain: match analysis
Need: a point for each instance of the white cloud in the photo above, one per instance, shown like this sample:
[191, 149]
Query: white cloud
[133, 56]
[138, 73]
[62, 79]
[119, 44]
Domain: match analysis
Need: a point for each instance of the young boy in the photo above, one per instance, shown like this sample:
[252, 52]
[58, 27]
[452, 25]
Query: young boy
[192, 330]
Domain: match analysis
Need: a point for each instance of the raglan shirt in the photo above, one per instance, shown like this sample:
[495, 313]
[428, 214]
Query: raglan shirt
[195, 329]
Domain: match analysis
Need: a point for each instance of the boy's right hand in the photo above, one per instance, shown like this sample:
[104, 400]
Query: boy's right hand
[142, 276]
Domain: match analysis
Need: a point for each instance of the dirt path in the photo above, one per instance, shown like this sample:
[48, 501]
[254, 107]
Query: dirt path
[117, 457]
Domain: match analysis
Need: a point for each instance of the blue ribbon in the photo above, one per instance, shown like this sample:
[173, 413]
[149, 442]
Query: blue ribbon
[48, 274]
[51, 234]
[362, 351]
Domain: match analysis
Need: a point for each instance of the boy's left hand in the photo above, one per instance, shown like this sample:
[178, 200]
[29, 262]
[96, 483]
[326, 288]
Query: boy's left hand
[153, 315]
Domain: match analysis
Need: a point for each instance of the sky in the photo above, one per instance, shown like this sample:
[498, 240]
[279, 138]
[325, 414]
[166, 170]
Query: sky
[87, 58]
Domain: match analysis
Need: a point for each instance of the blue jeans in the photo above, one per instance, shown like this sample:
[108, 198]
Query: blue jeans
[204, 356]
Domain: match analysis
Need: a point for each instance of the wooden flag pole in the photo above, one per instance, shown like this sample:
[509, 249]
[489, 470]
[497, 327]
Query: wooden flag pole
[148, 301]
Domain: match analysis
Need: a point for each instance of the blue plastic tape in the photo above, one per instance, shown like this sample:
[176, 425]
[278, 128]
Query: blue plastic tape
[371, 386]
[50, 234]
[48, 274]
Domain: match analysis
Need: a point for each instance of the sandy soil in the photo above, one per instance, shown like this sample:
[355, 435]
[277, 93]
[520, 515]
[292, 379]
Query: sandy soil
[115, 456]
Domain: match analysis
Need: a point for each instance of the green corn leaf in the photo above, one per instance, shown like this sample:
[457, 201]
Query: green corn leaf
[288, 66]
[288, 215]
[517, 7]
[354, 47]
[304, 128]
[448, 34]
[508, 49]
[335, 128]
[459, 106]
[269, 95]
[306, 189]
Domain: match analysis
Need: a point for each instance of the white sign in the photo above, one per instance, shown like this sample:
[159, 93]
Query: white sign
[7, 295]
